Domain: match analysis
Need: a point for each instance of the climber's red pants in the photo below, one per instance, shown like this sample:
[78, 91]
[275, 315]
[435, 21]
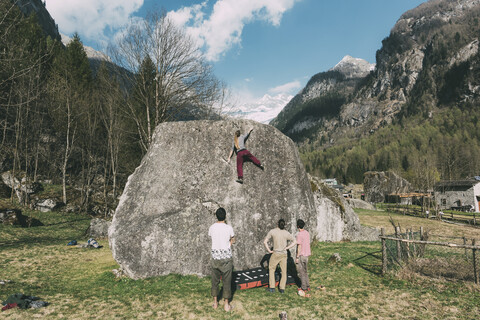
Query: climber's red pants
[242, 156]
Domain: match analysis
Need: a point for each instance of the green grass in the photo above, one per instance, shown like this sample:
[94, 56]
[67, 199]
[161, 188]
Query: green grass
[78, 282]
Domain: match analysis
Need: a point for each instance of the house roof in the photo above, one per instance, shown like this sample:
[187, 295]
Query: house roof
[410, 195]
[456, 183]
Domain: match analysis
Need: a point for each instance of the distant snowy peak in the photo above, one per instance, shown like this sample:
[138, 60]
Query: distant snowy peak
[262, 110]
[354, 67]
[91, 53]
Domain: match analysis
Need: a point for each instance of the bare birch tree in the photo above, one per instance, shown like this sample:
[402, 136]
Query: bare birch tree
[69, 87]
[180, 76]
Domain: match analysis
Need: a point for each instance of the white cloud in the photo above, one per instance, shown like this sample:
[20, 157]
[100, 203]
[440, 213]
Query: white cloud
[223, 28]
[290, 87]
[97, 20]
[185, 14]
[92, 18]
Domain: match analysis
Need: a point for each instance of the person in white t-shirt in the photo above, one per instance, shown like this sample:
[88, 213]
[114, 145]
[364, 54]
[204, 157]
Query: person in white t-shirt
[222, 261]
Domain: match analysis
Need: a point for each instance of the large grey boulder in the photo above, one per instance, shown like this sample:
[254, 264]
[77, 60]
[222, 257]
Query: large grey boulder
[161, 223]
[379, 184]
[23, 188]
[47, 205]
[360, 204]
[99, 228]
[336, 220]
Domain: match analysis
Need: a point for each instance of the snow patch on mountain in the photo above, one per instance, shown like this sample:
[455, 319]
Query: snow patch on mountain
[91, 53]
[354, 67]
[262, 110]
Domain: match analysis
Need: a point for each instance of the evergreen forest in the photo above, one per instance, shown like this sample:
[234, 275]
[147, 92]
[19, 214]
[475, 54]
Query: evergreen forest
[435, 135]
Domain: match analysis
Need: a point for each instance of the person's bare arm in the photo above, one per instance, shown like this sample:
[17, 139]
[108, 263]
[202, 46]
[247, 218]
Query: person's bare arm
[232, 240]
[291, 245]
[230, 155]
[299, 249]
[265, 242]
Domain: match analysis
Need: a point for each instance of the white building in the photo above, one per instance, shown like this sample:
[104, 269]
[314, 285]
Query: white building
[458, 194]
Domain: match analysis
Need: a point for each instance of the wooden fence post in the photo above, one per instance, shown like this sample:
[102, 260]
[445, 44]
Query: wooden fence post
[399, 247]
[475, 262]
[421, 248]
[466, 250]
[408, 244]
[414, 245]
[384, 253]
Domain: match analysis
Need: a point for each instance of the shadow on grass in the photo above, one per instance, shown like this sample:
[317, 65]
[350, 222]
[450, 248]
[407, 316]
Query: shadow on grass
[44, 235]
[65, 222]
[365, 262]
[33, 241]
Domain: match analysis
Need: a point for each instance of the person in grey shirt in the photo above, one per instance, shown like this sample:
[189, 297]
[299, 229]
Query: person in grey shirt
[242, 153]
[280, 238]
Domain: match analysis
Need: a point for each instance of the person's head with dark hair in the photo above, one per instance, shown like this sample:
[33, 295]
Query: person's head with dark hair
[300, 224]
[281, 224]
[221, 214]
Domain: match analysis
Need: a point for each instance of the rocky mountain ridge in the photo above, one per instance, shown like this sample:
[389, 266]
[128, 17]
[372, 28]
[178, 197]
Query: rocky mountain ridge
[44, 19]
[354, 67]
[302, 109]
[426, 43]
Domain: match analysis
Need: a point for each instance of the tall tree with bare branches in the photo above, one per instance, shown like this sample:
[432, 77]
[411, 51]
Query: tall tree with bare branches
[167, 70]
[70, 88]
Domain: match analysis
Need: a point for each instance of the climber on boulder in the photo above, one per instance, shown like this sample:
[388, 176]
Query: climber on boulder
[242, 153]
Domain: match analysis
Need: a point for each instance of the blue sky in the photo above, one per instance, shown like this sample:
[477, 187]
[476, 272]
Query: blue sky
[255, 46]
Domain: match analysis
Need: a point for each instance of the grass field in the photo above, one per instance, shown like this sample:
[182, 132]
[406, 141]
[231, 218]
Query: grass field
[79, 283]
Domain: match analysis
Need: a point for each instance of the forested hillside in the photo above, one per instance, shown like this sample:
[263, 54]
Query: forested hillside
[63, 123]
[417, 113]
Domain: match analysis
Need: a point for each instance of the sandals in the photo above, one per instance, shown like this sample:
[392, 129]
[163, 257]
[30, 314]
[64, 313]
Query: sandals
[304, 294]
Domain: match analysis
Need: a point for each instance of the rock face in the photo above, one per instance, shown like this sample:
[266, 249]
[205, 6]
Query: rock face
[343, 78]
[161, 223]
[354, 67]
[378, 184]
[336, 220]
[45, 20]
[99, 228]
[23, 189]
[360, 204]
[403, 75]
[47, 205]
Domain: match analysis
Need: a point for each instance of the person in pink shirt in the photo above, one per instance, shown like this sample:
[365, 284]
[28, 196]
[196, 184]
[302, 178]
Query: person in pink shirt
[303, 252]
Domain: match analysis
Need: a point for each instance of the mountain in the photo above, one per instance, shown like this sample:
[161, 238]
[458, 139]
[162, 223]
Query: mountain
[96, 58]
[418, 109]
[262, 110]
[354, 67]
[322, 97]
[92, 54]
[44, 19]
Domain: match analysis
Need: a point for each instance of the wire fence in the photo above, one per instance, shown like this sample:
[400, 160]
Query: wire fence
[471, 218]
[431, 255]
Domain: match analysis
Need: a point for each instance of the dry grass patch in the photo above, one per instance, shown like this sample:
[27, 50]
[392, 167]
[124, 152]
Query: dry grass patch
[78, 284]
[381, 219]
